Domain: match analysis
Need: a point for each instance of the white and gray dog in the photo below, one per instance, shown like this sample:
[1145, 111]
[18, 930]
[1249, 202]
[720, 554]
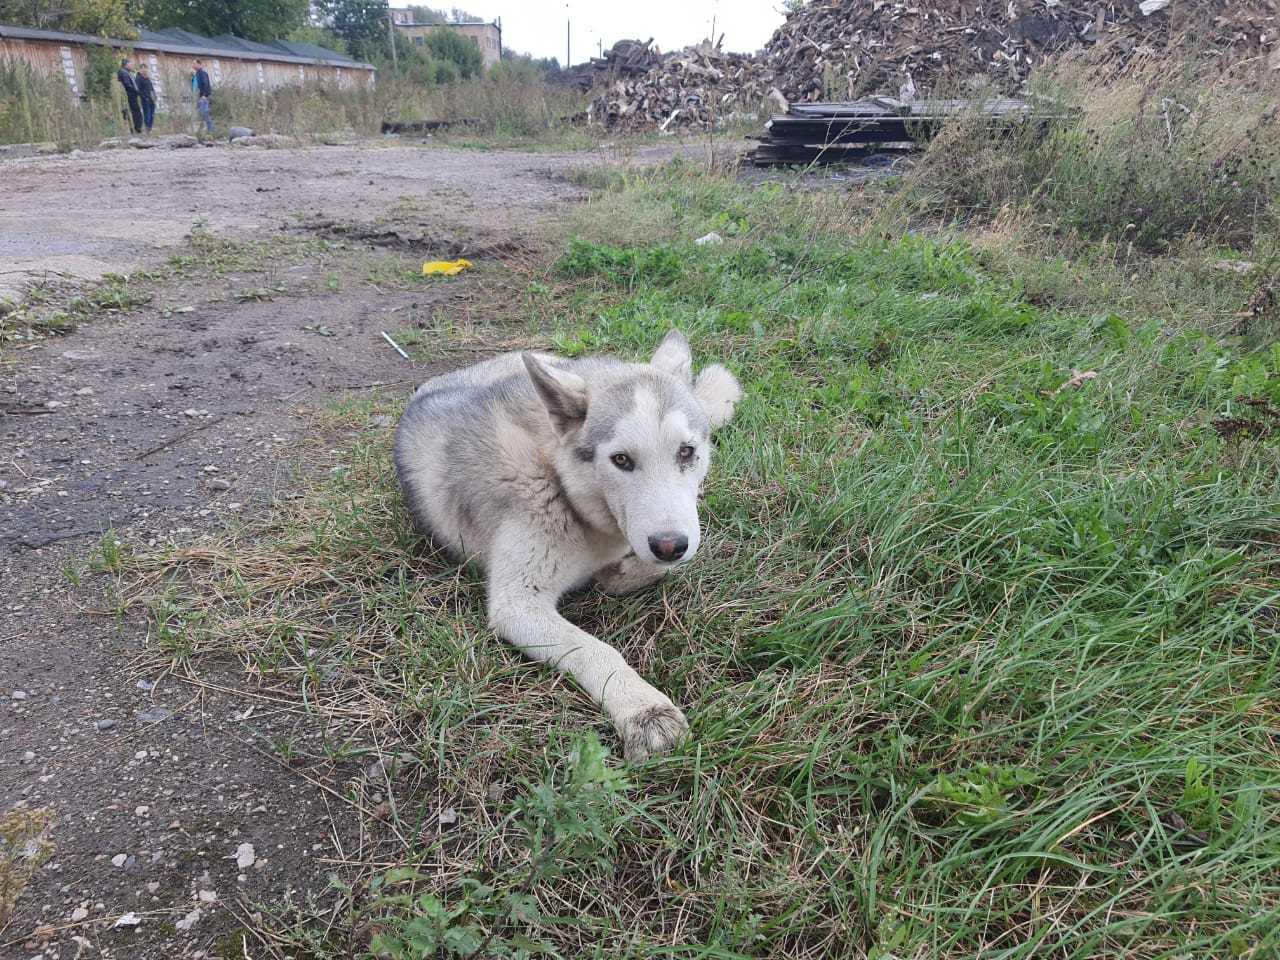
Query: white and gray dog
[552, 473]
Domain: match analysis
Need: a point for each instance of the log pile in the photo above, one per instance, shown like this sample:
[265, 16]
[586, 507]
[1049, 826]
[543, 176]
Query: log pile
[830, 49]
[699, 87]
[626, 58]
[839, 50]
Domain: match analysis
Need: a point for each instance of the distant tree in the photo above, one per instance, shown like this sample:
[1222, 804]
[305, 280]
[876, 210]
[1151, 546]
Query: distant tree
[317, 37]
[362, 24]
[524, 67]
[252, 19]
[103, 18]
[452, 47]
[41, 14]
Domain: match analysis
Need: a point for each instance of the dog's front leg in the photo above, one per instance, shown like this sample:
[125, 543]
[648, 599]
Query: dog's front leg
[629, 575]
[524, 614]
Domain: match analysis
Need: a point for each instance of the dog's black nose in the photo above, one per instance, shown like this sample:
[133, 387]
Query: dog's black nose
[668, 545]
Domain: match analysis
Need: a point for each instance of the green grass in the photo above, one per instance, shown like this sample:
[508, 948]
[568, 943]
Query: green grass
[980, 655]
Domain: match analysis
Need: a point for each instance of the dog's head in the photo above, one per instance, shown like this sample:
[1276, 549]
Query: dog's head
[646, 437]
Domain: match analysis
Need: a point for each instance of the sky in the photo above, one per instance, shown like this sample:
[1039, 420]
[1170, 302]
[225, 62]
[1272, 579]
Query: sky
[538, 26]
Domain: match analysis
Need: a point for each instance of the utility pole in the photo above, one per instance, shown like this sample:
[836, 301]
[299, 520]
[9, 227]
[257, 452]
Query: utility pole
[391, 34]
[567, 60]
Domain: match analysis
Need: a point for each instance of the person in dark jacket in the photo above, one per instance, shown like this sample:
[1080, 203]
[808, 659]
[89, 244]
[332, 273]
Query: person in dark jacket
[203, 90]
[147, 96]
[125, 76]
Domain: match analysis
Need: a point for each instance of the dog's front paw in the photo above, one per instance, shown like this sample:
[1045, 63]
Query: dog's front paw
[652, 730]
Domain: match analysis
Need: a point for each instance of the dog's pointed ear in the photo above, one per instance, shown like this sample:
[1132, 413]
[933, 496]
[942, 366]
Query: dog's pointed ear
[673, 356]
[564, 394]
[717, 392]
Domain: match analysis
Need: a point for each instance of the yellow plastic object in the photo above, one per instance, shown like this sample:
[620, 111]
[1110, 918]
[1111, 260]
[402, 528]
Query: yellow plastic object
[447, 268]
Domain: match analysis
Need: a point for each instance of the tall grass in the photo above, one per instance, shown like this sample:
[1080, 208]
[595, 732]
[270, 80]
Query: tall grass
[1147, 159]
[38, 108]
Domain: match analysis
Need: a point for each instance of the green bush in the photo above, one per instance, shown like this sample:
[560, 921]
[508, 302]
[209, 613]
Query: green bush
[454, 48]
[101, 64]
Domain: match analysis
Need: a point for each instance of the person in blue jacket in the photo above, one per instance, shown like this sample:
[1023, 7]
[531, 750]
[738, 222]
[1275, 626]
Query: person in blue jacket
[146, 95]
[203, 89]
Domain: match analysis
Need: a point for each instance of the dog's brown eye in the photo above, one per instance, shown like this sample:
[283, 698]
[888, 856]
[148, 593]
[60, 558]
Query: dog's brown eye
[623, 462]
[686, 453]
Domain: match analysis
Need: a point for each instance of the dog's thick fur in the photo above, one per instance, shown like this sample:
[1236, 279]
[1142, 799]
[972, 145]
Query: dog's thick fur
[552, 473]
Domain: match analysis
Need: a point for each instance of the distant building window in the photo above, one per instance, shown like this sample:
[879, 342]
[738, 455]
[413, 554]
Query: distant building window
[418, 40]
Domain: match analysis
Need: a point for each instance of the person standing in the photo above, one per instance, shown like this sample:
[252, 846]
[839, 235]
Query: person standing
[147, 96]
[203, 90]
[125, 76]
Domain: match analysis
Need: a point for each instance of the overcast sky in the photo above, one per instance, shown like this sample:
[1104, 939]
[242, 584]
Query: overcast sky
[537, 26]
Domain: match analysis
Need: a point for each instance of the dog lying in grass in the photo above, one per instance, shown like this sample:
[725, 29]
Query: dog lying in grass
[554, 473]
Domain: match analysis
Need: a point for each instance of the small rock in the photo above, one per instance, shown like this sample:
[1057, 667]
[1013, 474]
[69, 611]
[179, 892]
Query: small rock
[104, 724]
[147, 685]
[244, 856]
[189, 921]
[218, 484]
[1233, 266]
[153, 715]
[79, 355]
[143, 143]
[28, 756]
[710, 239]
[78, 914]
[18, 695]
[141, 811]
[85, 392]
[208, 896]
[380, 420]
[119, 859]
[153, 886]
[235, 133]
[209, 468]
[54, 404]
[128, 920]
[448, 817]
[275, 140]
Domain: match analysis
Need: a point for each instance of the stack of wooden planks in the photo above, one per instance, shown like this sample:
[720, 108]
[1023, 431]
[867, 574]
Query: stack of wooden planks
[844, 132]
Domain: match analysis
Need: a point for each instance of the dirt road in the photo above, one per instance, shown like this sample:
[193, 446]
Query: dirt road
[91, 213]
[171, 810]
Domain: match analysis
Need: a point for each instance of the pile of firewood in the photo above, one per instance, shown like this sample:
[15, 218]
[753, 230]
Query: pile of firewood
[842, 49]
[699, 86]
[626, 58]
[845, 49]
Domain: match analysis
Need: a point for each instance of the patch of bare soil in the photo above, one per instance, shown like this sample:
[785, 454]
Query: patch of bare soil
[175, 807]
